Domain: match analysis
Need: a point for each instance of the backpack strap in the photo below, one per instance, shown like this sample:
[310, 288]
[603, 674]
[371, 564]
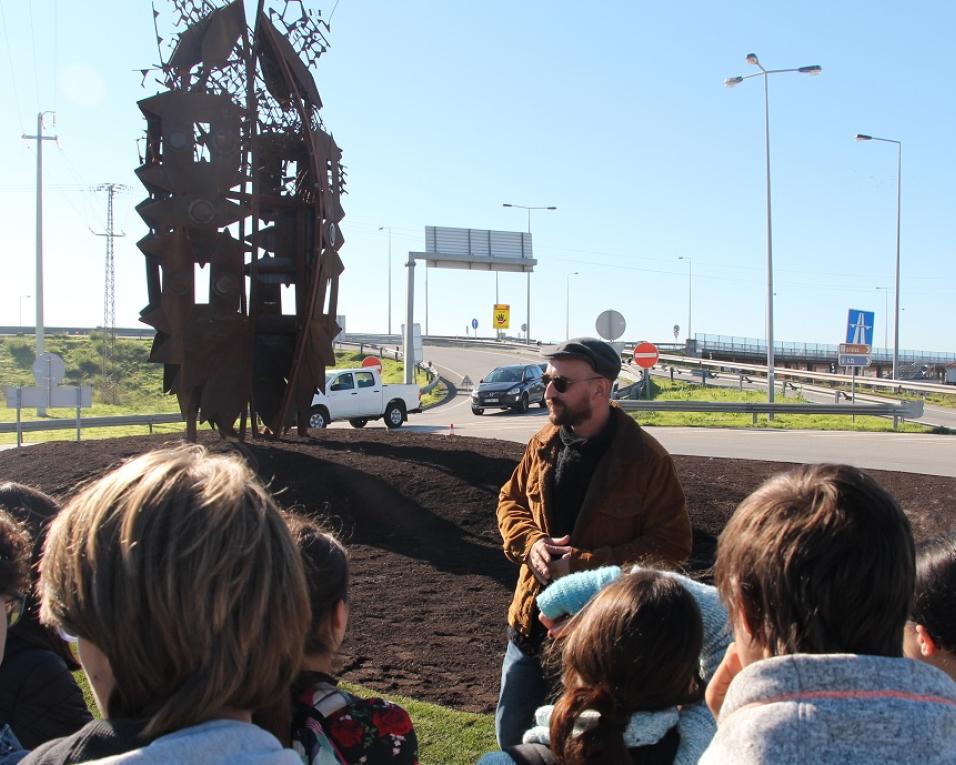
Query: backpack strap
[326, 700]
[531, 754]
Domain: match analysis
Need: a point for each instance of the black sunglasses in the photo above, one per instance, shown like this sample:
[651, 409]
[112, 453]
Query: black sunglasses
[561, 384]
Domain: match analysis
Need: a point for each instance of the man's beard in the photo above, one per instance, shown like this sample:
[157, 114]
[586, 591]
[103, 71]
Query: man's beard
[560, 414]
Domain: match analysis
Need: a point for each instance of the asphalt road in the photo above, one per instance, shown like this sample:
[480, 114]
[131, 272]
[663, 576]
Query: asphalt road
[908, 452]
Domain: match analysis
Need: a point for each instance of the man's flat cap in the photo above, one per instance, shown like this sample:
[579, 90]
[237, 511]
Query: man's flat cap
[600, 355]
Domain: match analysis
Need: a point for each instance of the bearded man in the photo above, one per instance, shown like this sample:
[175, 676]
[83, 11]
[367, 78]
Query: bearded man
[593, 488]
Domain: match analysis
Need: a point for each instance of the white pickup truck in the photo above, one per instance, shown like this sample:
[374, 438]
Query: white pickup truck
[359, 395]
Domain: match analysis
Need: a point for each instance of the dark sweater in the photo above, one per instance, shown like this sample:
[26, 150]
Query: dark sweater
[572, 473]
[39, 698]
[98, 739]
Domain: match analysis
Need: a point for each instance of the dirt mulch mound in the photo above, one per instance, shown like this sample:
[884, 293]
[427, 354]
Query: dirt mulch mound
[430, 584]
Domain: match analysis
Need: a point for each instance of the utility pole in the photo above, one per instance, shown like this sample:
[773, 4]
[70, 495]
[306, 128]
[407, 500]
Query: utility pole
[40, 138]
[109, 293]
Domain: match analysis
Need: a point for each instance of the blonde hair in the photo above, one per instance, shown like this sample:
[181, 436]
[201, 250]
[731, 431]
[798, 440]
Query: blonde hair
[178, 566]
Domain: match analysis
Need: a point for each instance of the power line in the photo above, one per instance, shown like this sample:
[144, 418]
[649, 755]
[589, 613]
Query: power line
[81, 186]
[33, 43]
[13, 79]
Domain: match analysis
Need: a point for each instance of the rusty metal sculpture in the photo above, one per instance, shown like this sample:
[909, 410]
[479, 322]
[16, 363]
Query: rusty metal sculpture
[242, 177]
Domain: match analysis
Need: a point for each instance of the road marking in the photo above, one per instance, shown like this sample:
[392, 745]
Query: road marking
[453, 371]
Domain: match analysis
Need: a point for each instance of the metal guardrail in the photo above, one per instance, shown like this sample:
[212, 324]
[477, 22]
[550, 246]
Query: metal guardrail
[78, 424]
[913, 386]
[73, 423]
[907, 410]
[382, 351]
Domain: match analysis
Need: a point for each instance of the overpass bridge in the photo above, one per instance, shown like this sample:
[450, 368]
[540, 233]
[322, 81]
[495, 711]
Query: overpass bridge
[817, 357]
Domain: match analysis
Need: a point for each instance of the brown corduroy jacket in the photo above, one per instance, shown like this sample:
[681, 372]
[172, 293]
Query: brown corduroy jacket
[634, 510]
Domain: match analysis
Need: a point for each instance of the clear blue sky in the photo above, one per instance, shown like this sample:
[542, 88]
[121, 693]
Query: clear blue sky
[615, 112]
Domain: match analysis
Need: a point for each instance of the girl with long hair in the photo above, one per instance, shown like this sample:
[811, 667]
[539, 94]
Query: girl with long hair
[634, 664]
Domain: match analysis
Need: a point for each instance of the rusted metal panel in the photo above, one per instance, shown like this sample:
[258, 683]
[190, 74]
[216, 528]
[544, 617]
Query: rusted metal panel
[236, 138]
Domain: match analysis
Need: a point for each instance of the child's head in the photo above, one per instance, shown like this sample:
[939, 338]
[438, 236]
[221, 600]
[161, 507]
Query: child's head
[819, 559]
[34, 510]
[326, 565]
[634, 647]
[14, 573]
[931, 631]
[181, 581]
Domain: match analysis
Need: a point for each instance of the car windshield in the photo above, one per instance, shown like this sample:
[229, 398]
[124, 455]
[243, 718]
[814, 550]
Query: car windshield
[504, 374]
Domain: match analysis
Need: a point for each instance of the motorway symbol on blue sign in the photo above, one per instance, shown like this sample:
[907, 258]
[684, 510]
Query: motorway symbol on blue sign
[853, 360]
[474, 323]
[859, 326]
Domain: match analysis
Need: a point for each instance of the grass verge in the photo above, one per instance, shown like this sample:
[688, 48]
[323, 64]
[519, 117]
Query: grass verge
[665, 390]
[445, 736]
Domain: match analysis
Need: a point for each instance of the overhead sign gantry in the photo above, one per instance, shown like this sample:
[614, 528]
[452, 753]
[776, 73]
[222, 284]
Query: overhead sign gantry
[464, 248]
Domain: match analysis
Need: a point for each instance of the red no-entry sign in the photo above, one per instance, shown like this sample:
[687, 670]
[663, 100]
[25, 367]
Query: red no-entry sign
[372, 361]
[646, 355]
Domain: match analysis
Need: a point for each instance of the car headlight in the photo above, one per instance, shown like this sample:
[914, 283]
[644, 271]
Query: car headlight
[474, 394]
[515, 390]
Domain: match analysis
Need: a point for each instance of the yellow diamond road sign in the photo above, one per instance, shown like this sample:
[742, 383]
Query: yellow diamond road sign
[501, 318]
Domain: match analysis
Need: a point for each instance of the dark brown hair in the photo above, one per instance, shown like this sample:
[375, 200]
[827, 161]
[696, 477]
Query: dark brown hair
[819, 559]
[180, 569]
[635, 647]
[14, 556]
[934, 600]
[326, 565]
[34, 510]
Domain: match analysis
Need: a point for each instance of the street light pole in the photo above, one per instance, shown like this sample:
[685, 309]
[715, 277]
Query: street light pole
[567, 307]
[899, 194]
[529, 209]
[389, 229]
[731, 82]
[886, 315]
[690, 278]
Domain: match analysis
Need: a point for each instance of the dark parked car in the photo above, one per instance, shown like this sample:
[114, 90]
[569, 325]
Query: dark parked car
[515, 386]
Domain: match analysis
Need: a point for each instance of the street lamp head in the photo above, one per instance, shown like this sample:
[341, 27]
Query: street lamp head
[505, 204]
[863, 137]
[752, 59]
[551, 208]
[731, 81]
[812, 70]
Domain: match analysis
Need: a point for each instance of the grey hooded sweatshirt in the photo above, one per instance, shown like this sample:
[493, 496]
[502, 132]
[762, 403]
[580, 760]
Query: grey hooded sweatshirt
[842, 709]
[229, 742]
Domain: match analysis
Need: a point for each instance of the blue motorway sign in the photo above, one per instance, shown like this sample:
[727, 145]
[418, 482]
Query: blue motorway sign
[474, 323]
[859, 326]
